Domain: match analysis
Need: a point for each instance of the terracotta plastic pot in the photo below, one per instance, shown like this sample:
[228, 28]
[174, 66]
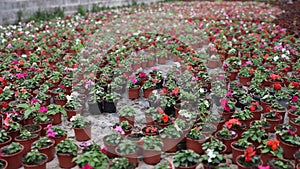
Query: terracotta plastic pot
[134, 93]
[133, 157]
[6, 142]
[4, 162]
[33, 128]
[39, 166]
[49, 151]
[189, 167]
[266, 157]
[65, 160]
[14, 160]
[241, 166]
[227, 142]
[27, 143]
[235, 152]
[83, 134]
[170, 144]
[56, 118]
[148, 92]
[195, 145]
[110, 149]
[288, 149]
[151, 157]
[296, 125]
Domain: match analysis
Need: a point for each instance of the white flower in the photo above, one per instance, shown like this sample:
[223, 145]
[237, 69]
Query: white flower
[69, 98]
[210, 154]
[73, 118]
[275, 58]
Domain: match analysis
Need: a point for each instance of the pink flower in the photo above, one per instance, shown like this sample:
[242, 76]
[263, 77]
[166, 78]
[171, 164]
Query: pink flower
[14, 62]
[224, 103]
[154, 68]
[248, 63]
[9, 46]
[49, 126]
[263, 167]
[291, 132]
[43, 109]
[295, 99]
[62, 86]
[83, 144]
[33, 100]
[51, 133]
[229, 94]
[225, 66]
[293, 107]
[142, 74]
[119, 129]
[21, 75]
[134, 81]
[87, 166]
[103, 149]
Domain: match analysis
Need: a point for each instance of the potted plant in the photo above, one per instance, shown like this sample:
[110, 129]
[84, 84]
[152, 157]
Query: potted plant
[270, 149]
[245, 116]
[228, 108]
[255, 135]
[235, 125]
[195, 139]
[73, 107]
[148, 87]
[215, 145]
[127, 113]
[249, 159]
[163, 165]
[238, 148]
[126, 127]
[110, 101]
[171, 136]
[4, 138]
[82, 127]
[26, 139]
[151, 130]
[289, 141]
[12, 153]
[245, 75]
[121, 163]
[55, 112]
[45, 146]
[227, 137]
[56, 133]
[211, 159]
[34, 160]
[111, 141]
[128, 149]
[152, 147]
[274, 118]
[3, 164]
[149, 114]
[255, 109]
[33, 128]
[66, 150]
[296, 123]
[186, 159]
[133, 88]
[87, 159]
[280, 163]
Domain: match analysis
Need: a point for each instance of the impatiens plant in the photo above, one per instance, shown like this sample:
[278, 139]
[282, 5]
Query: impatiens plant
[271, 146]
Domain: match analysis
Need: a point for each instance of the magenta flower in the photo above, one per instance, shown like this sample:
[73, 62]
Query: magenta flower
[293, 107]
[224, 103]
[248, 63]
[291, 132]
[225, 66]
[62, 86]
[14, 62]
[103, 149]
[33, 100]
[21, 75]
[51, 133]
[9, 46]
[142, 74]
[295, 99]
[263, 167]
[154, 68]
[229, 94]
[49, 126]
[87, 166]
[43, 109]
[134, 81]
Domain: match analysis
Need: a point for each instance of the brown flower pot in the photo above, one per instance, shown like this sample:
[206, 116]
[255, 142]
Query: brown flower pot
[232, 75]
[59, 139]
[49, 151]
[195, 145]
[161, 60]
[189, 167]
[149, 121]
[65, 160]
[71, 113]
[244, 80]
[151, 63]
[14, 134]
[148, 92]
[14, 160]
[170, 144]
[274, 123]
[235, 152]
[265, 105]
[212, 64]
[44, 125]
[60, 102]
[39, 166]
[83, 134]
[151, 157]
[4, 162]
[227, 142]
[27, 143]
[266, 157]
[6, 142]
[133, 157]
[134, 93]
[33, 128]
[56, 118]
[110, 149]
[291, 115]
[288, 149]
[129, 119]
[241, 166]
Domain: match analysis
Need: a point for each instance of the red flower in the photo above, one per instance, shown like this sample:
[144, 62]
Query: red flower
[165, 118]
[252, 108]
[277, 86]
[273, 143]
[1, 90]
[274, 76]
[175, 90]
[249, 153]
[295, 84]
[231, 122]
[5, 105]
[295, 99]
[268, 109]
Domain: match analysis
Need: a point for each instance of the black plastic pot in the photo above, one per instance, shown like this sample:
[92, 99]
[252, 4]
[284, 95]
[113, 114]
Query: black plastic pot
[109, 107]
